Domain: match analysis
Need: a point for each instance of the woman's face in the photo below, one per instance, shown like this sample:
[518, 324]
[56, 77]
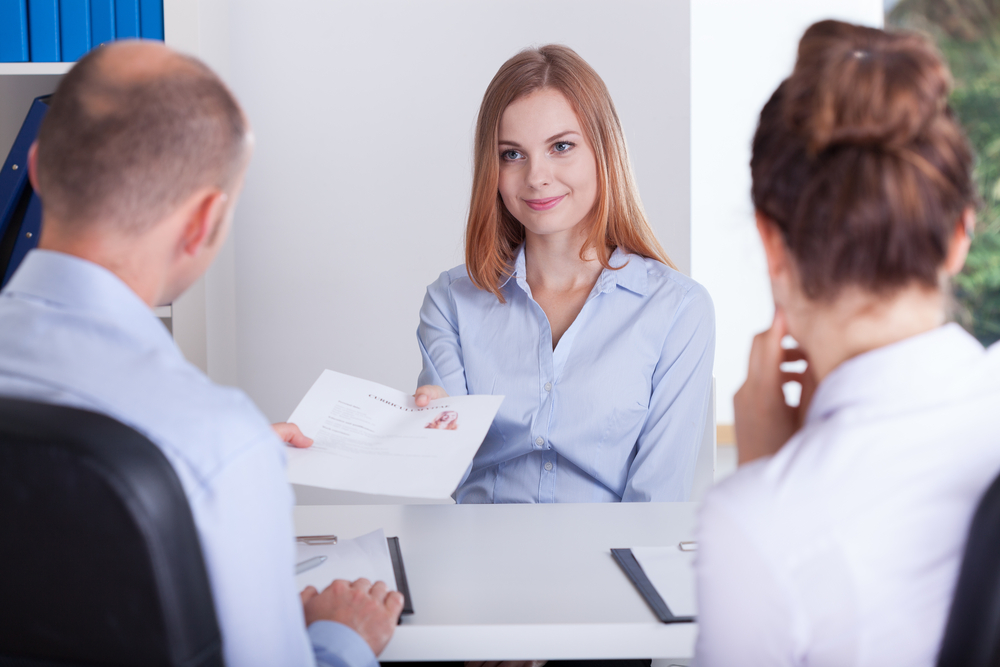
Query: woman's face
[548, 171]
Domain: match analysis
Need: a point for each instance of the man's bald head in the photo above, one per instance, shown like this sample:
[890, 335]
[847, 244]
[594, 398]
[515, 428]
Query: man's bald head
[132, 131]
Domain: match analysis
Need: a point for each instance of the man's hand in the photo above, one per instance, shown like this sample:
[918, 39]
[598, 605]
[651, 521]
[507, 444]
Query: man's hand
[290, 434]
[371, 611]
[764, 422]
[427, 393]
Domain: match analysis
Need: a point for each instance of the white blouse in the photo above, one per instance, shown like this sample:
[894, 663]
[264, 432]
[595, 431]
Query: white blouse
[844, 547]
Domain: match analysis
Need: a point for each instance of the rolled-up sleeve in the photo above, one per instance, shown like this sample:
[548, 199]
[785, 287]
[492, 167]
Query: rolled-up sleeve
[667, 447]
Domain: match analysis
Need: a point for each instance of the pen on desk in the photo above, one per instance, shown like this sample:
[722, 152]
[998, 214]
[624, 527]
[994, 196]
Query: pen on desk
[307, 565]
[317, 539]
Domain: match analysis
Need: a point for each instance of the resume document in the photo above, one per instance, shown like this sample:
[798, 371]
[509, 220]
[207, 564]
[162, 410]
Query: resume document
[369, 438]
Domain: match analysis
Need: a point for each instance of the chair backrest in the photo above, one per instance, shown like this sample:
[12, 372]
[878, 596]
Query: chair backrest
[100, 561]
[972, 635]
[704, 467]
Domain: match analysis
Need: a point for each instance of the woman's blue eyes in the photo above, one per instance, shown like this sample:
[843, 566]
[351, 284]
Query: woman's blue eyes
[513, 155]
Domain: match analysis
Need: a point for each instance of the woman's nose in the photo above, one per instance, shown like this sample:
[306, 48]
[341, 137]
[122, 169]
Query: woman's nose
[539, 173]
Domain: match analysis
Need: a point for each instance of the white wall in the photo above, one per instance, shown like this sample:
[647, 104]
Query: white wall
[740, 52]
[357, 195]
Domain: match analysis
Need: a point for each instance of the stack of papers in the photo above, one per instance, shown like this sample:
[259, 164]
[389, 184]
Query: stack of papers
[373, 439]
[363, 557]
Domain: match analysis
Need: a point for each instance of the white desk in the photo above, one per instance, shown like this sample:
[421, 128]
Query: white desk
[520, 582]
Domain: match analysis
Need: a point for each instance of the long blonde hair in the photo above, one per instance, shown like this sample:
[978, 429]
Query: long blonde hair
[492, 234]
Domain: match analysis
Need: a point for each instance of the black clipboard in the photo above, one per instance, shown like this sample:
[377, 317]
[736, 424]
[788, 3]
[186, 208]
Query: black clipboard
[634, 571]
[397, 568]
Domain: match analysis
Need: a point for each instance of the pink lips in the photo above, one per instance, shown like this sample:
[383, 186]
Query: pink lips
[544, 204]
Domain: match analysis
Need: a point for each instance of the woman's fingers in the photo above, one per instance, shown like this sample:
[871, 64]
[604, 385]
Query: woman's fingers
[763, 421]
[427, 393]
[291, 434]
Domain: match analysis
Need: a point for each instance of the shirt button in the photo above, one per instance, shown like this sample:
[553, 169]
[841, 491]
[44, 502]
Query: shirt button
[548, 465]
[539, 441]
[548, 386]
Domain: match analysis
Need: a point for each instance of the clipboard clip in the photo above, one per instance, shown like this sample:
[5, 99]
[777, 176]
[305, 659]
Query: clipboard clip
[317, 539]
[688, 546]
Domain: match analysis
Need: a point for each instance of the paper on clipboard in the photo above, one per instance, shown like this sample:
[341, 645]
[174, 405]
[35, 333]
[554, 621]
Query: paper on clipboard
[369, 438]
[671, 571]
[363, 557]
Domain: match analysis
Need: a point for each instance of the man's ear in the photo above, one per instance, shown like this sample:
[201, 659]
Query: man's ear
[774, 246]
[33, 166]
[961, 239]
[206, 211]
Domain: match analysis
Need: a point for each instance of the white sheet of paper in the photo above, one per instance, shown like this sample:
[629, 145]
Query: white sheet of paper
[373, 439]
[366, 556]
[671, 571]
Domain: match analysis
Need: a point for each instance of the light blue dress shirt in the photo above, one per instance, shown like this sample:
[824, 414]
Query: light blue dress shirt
[615, 413]
[73, 333]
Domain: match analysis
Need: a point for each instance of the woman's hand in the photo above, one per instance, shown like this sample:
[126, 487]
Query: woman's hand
[764, 422]
[428, 393]
[291, 434]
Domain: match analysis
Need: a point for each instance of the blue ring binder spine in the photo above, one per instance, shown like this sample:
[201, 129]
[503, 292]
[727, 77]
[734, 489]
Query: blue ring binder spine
[13, 31]
[20, 208]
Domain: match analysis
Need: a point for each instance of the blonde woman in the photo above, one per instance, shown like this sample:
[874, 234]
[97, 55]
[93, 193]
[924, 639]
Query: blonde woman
[567, 305]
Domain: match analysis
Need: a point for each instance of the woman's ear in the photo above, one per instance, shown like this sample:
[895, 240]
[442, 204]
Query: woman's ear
[779, 263]
[961, 239]
[774, 246]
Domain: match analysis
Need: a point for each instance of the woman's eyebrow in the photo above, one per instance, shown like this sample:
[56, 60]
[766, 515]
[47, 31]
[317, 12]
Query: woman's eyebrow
[514, 144]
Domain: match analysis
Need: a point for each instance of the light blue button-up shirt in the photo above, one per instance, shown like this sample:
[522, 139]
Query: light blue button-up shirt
[73, 333]
[615, 412]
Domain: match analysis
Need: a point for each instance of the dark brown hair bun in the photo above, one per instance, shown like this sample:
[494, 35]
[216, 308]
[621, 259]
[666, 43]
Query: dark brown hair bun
[859, 161]
[859, 86]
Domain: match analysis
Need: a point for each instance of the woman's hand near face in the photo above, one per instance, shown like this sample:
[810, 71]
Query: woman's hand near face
[428, 393]
[764, 422]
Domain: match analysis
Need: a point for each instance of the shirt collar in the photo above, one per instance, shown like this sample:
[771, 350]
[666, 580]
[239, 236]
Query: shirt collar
[898, 373]
[627, 270]
[71, 282]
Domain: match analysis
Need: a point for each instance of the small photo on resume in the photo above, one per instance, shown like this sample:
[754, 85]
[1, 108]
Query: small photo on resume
[446, 421]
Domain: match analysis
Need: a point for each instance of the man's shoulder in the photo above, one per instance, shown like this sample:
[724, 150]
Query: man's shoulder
[205, 425]
[143, 382]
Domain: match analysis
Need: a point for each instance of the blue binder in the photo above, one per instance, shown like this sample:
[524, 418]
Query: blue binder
[13, 31]
[20, 209]
[43, 30]
[151, 19]
[74, 28]
[127, 19]
[102, 22]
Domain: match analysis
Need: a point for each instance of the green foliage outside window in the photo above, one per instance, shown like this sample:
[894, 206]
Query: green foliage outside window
[968, 34]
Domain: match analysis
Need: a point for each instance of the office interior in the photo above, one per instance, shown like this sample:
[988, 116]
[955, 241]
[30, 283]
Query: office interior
[356, 199]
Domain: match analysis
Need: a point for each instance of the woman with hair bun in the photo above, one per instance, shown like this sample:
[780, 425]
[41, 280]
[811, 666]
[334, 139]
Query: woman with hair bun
[567, 305]
[838, 541]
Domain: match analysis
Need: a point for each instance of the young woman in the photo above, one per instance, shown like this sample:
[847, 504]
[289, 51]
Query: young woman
[838, 541]
[567, 305]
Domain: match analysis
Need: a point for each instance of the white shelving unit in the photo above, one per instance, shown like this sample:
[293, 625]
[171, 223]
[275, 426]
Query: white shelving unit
[34, 68]
[198, 27]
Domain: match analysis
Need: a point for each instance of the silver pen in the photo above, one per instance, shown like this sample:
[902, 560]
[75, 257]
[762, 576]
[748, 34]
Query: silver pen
[307, 565]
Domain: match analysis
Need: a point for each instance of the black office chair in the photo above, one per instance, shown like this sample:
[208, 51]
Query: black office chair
[100, 562]
[972, 635]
